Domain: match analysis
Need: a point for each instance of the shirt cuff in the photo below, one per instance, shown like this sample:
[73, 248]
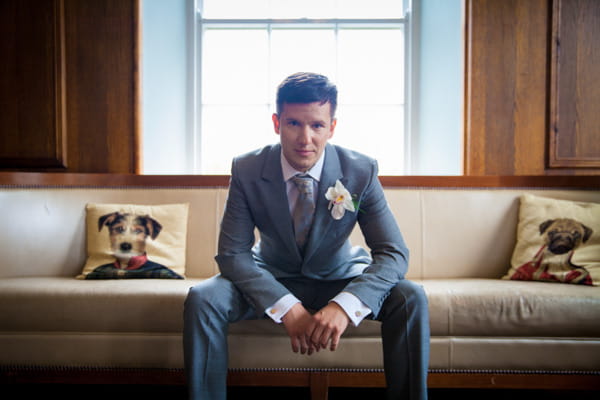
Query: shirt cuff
[281, 307]
[354, 308]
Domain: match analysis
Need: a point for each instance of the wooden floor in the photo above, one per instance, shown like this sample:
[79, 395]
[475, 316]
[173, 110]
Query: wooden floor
[149, 392]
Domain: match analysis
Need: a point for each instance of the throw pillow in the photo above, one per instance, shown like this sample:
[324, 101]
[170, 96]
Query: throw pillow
[127, 241]
[557, 241]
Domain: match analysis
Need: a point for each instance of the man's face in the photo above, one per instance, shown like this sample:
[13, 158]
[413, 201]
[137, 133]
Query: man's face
[304, 130]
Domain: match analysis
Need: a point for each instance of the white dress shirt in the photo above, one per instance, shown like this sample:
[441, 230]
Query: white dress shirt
[354, 308]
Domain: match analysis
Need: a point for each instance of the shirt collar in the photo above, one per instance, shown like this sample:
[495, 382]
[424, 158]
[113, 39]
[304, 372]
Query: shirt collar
[314, 172]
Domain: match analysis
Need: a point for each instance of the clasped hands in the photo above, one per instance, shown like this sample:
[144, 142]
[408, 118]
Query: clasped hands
[312, 332]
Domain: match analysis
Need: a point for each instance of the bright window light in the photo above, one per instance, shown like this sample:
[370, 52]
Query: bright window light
[248, 47]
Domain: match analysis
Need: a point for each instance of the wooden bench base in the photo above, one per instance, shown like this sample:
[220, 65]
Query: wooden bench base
[319, 381]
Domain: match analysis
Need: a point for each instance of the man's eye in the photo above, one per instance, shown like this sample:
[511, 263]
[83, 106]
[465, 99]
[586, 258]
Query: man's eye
[318, 126]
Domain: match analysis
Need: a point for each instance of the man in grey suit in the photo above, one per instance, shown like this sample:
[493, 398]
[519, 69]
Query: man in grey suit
[305, 196]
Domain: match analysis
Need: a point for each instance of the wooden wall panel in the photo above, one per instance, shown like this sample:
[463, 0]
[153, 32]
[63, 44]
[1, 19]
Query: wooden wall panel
[102, 42]
[69, 88]
[575, 85]
[32, 113]
[505, 85]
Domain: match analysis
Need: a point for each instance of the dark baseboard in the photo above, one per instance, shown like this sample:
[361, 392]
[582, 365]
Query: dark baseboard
[178, 392]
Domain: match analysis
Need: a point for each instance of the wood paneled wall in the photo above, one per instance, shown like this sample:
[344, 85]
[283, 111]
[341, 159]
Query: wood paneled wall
[69, 85]
[532, 73]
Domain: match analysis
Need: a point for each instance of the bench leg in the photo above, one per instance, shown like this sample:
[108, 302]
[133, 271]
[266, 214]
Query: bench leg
[319, 385]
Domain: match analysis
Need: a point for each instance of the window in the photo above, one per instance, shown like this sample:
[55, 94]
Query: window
[210, 70]
[246, 48]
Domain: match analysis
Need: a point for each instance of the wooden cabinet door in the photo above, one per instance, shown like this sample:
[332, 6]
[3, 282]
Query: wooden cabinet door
[575, 85]
[69, 85]
[32, 93]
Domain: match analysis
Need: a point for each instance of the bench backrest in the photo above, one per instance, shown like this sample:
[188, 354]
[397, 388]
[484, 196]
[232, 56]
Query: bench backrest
[451, 232]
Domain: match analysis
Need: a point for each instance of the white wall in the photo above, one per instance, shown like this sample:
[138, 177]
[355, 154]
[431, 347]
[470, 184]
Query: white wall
[165, 88]
[439, 118]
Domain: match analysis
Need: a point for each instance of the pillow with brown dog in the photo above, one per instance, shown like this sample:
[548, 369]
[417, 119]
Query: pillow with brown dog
[557, 241]
[126, 241]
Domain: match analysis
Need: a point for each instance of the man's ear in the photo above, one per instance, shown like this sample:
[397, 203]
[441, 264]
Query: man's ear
[276, 124]
[332, 127]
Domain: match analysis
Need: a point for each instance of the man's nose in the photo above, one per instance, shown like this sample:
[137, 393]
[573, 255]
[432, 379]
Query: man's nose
[305, 134]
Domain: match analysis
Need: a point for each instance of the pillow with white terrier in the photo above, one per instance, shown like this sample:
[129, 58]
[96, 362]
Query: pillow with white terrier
[557, 241]
[127, 241]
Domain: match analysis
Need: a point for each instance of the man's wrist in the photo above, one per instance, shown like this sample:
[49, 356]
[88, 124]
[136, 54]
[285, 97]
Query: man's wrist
[281, 307]
[354, 308]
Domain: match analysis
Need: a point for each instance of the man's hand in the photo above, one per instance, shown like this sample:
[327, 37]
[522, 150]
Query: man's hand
[330, 323]
[299, 324]
[315, 332]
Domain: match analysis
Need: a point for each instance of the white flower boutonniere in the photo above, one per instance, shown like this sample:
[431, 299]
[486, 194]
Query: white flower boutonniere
[340, 200]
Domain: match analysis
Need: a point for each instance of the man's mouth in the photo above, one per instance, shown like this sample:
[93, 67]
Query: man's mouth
[304, 153]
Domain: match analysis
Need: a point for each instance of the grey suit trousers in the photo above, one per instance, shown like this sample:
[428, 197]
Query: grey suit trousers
[215, 303]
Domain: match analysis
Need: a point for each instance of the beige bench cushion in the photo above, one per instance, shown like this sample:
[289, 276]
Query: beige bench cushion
[458, 307]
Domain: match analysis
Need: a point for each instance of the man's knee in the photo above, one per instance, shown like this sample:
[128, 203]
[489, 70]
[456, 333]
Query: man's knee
[410, 295]
[415, 293]
[217, 298]
[207, 296]
[197, 297]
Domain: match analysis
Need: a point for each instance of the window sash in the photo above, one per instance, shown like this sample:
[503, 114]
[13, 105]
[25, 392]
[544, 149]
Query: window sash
[270, 24]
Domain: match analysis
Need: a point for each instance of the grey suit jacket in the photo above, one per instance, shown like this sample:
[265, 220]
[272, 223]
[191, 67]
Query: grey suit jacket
[257, 199]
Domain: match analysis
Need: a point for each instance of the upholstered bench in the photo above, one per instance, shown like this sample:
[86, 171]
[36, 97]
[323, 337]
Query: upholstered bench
[463, 234]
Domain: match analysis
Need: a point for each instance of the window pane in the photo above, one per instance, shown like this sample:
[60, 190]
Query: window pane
[235, 9]
[235, 66]
[228, 131]
[376, 131]
[257, 9]
[307, 50]
[303, 9]
[371, 66]
[370, 9]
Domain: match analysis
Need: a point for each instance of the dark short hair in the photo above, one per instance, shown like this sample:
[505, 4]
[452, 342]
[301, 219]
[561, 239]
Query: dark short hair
[304, 88]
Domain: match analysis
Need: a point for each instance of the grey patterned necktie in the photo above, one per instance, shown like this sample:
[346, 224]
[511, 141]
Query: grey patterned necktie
[305, 208]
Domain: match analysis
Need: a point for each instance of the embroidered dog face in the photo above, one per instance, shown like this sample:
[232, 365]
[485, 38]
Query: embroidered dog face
[128, 233]
[563, 234]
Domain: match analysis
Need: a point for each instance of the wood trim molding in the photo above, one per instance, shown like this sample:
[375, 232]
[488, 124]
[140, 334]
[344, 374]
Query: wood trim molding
[60, 104]
[43, 179]
[492, 181]
[50, 179]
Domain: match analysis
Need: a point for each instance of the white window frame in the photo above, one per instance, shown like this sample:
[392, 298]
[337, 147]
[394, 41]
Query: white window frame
[196, 24]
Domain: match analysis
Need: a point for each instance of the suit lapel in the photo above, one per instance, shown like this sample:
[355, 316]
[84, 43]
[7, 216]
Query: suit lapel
[273, 195]
[332, 171]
